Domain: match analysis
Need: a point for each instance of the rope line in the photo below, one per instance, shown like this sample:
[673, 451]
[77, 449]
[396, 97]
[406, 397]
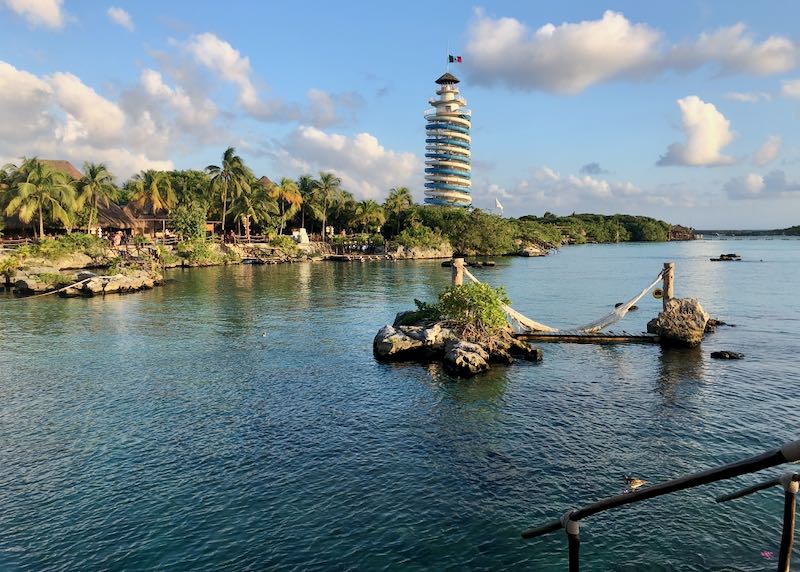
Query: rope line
[611, 318]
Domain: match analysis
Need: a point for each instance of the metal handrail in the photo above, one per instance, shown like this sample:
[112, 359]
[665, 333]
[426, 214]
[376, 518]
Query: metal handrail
[570, 521]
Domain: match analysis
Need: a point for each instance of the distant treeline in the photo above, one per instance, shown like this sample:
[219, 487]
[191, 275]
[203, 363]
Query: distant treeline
[583, 228]
[791, 231]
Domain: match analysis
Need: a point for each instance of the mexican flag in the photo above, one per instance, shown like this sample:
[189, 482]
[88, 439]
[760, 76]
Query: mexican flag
[454, 59]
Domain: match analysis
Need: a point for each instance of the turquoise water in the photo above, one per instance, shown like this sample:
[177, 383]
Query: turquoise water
[162, 430]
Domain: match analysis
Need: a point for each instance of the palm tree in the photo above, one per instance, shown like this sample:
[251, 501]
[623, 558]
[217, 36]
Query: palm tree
[231, 178]
[38, 188]
[95, 187]
[398, 201]
[255, 204]
[153, 187]
[369, 214]
[306, 186]
[328, 190]
[289, 199]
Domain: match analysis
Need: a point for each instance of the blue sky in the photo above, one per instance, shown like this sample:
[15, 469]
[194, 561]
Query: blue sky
[686, 111]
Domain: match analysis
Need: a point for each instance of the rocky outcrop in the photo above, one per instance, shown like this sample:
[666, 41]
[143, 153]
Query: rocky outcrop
[85, 283]
[531, 250]
[418, 252]
[399, 343]
[465, 359]
[682, 323]
[435, 342]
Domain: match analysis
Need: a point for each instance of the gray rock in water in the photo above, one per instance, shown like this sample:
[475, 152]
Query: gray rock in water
[464, 358]
[683, 323]
[409, 342]
[725, 354]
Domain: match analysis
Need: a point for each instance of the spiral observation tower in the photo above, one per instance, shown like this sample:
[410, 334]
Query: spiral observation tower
[448, 173]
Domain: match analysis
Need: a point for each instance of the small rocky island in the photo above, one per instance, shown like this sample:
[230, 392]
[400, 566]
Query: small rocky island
[465, 330]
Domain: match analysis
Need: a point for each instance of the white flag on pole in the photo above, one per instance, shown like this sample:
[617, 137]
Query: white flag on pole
[497, 204]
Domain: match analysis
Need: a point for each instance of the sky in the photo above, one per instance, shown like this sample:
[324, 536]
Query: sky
[686, 111]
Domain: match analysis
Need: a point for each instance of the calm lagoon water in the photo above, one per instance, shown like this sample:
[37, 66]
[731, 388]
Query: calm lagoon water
[163, 431]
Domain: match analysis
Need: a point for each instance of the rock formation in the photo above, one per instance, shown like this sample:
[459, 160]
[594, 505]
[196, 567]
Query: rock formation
[682, 323]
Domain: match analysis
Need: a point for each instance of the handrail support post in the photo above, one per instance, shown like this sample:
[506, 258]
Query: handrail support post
[573, 530]
[790, 487]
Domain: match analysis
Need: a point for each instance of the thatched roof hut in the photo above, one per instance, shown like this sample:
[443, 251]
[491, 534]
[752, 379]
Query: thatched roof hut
[63, 166]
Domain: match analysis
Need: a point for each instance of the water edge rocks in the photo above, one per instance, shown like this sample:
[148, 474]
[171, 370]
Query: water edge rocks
[683, 323]
[436, 342]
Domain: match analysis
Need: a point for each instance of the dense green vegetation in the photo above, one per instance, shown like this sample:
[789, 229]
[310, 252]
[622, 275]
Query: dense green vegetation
[474, 311]
[230, 194]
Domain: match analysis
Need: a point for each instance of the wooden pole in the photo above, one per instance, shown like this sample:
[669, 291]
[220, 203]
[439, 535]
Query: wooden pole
[457, 272]
[669, 283]
[790, 487]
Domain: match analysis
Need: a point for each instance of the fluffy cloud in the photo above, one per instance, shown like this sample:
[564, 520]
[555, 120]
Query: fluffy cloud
[768, 152]
[734, 50]
[47, 13]
[59, 116]
[193, 112]
[564, 59]
[753, 186]
[570, 57]
[120, 17]
[707, 132]
[221, 58]
[791, 88]
[367, 168]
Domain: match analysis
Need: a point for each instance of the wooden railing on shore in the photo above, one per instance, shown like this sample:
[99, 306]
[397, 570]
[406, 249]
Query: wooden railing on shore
[14, 243]
[789, 453]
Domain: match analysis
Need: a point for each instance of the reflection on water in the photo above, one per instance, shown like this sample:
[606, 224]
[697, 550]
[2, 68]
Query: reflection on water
[680, 371]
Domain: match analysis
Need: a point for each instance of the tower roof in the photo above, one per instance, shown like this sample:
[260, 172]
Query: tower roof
[447, 78]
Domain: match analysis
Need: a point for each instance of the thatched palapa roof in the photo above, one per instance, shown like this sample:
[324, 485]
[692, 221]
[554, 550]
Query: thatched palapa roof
[63, 166]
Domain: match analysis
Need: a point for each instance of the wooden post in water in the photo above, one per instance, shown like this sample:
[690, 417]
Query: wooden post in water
[790, 487]
[669, 283]
[457, 272]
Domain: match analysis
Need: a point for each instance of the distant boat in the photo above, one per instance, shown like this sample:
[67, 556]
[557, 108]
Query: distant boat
[733, 257]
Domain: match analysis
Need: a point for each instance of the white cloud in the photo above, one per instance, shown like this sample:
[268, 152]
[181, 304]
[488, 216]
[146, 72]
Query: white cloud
[791, 88]
[59, 116]
[707, 132]
[734, 50]
[570, 57]
[94, 115]
[748, 97]
[564, 59]
[768, 152]
[192, 112]
[220, 57]
[367, 168]
[47, 13]
[120, 17]
[23, 102]
[773, 185]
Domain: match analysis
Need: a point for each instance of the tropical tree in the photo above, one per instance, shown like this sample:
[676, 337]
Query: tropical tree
[328, 191]
[38, 189]
[155, 188]
[306, 185]
[230, 179]
[254, 204]
[289, 199]
[398, 201]
[369, 215]
[96, 187]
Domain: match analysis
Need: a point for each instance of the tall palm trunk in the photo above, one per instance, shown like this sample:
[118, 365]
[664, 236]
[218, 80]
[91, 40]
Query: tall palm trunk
[224, 205]
[41, 222]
